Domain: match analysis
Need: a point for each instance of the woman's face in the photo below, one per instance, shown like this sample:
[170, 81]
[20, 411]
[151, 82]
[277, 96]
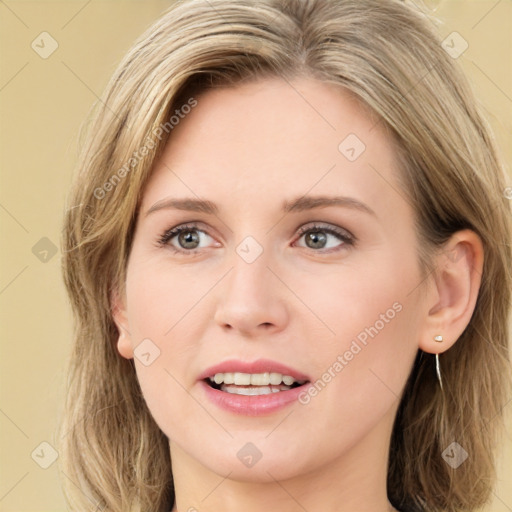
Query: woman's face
[303, 260]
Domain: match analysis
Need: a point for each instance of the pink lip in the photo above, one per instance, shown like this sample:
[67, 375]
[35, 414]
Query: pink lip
[252, 405]
[258, 366]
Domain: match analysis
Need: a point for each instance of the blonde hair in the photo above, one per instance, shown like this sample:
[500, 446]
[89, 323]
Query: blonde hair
[385, 52]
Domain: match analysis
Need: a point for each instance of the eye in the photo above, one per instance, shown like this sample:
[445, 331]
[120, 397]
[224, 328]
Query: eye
[317, 237]
[186, 238]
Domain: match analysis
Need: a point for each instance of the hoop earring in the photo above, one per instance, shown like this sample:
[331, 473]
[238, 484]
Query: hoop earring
[439, 339]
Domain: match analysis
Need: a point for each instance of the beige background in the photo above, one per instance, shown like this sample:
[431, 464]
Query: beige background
[42, 104]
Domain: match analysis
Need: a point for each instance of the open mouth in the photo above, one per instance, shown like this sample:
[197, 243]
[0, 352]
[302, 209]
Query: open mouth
[253, 383]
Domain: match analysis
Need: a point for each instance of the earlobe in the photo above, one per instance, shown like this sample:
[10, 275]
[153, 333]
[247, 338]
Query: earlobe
[118, 311]
[457, 279]
[124, 346]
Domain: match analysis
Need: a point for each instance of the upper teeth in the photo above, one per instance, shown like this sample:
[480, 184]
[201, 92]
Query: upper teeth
[254, 379]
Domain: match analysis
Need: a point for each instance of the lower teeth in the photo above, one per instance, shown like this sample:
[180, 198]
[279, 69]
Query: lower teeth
[253, 390]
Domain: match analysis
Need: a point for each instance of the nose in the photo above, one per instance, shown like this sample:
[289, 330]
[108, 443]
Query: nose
[252, 299]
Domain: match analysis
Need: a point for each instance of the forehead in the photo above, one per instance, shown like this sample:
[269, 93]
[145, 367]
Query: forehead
[272, 138]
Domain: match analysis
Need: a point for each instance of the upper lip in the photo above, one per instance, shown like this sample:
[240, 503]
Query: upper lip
[258, 366]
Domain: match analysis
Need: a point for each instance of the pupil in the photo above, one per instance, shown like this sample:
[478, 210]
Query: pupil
[187, 237]
[317, 237]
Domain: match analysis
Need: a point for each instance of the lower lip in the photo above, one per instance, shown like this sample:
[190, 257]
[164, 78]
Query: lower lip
[252, 405]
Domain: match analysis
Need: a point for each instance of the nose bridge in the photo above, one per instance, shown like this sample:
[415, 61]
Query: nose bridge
[250, 273]
[250, 296]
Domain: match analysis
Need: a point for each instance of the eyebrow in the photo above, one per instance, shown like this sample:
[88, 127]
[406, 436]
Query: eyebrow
[297, 205]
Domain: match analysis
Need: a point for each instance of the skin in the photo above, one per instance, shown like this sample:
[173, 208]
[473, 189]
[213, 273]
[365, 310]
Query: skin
[248, 149]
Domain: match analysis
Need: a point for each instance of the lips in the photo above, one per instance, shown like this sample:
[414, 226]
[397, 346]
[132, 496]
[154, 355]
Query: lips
[226, 386]
[252, 379]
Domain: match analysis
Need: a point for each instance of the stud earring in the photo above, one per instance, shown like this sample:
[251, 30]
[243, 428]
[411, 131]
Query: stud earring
[439, 339]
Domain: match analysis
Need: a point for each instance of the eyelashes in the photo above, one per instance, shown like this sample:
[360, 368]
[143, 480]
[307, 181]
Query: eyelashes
[313, 231]
[339, 233]
[166, 237]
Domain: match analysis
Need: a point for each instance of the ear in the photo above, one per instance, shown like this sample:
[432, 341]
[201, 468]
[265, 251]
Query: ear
[452, 298]
[118, 309]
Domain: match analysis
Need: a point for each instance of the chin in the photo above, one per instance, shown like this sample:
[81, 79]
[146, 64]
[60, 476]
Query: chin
[244, 462]
[262, 472]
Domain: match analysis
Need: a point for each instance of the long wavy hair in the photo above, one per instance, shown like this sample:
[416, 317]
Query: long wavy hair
[113, 456]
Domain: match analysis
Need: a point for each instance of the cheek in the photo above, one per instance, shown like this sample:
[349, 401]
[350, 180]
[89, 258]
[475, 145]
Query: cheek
[163, 313]
[158, 298]
[353, 297]
[369, 340]
[361, 370]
